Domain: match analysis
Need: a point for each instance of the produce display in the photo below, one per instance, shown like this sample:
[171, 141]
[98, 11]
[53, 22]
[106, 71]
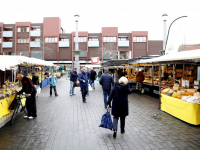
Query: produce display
[188, 95]
[8, 89]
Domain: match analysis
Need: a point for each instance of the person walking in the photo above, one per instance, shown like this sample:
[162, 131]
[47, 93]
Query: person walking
[106, 80]
[119, 99]
[83, 82]
[73, 78]
[52, 81]
[88, 77]
[35, 79]
[92, 77]
[29, 88]
[115, 76]
[139, 80]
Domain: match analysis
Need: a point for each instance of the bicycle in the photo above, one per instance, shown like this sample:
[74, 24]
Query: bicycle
[16, 110]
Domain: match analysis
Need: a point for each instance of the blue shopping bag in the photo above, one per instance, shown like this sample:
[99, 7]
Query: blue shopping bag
[106, 121]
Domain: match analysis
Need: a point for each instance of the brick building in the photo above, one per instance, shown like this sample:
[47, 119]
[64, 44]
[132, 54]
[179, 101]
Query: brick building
[47, 41]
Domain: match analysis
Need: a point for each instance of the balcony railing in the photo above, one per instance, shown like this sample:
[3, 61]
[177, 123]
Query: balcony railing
[93, 43]
[7, 44]
[63, 43]
[35, 33]
[34, 44]
[7, 33]
[123, 43]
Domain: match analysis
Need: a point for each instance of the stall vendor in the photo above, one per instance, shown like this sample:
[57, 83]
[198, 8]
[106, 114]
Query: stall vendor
[166, 76]
[139, 79]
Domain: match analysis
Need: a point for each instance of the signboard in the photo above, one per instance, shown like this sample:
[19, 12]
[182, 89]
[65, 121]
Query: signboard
[94, 60]
[196, 84]
[21, 54]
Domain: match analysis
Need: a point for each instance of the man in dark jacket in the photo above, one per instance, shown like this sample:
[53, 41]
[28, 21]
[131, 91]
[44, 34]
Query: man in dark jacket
[92, 77]
[139, 79]
[73, 78]
[83, 82]
[106, 80]
[35, 79]
[29, 89]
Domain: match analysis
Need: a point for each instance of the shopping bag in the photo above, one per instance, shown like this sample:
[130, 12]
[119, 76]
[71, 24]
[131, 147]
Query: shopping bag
[89, 87]
[97, 79]
[106, 121]
[14, 103]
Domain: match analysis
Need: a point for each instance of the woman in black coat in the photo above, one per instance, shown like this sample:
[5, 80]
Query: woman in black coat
[119, 95]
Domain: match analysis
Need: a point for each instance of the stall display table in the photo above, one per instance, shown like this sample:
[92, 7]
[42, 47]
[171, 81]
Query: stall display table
[5, 113]
[44, 83]
[188, 112]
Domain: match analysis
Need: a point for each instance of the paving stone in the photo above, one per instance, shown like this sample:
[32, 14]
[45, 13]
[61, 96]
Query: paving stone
[65, 122]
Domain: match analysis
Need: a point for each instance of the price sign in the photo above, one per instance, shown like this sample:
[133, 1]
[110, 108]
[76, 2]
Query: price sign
[183, 83]
[196, 84]
[187, 84]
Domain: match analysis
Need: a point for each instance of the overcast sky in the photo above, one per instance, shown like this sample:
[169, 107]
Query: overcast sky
[127, 15]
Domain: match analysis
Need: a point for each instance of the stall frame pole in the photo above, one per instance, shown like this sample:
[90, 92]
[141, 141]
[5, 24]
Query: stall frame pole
[173, 71]
[5, 75]
[152, 71]
[159, 85]
[183, 71]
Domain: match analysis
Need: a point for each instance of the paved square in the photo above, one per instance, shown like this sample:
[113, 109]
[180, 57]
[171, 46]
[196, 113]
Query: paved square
[66, 123]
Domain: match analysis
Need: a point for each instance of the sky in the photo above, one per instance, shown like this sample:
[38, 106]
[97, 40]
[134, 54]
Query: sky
[127, 15]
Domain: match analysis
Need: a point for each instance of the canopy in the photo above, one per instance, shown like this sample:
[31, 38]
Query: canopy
[8, 61]
[185, 55]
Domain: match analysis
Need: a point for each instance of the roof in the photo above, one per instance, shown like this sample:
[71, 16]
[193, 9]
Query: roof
[8, 61]
[178, 56]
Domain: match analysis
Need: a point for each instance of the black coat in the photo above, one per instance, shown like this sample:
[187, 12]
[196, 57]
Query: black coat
[106, 80]
[93, 75]
[35, 79]
[119, 95]
[27, 86]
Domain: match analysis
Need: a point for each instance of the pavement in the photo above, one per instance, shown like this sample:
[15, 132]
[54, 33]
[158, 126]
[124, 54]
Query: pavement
[66, 123]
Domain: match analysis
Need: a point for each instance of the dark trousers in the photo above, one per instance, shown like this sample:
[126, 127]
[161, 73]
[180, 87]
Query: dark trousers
[122, 123]
[84, 91]
[31, 105]
[106, 94]
[54, 87]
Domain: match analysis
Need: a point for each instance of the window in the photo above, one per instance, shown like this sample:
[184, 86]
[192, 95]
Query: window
[23, 29]
[93, 39]
[122, 38]
[66, 40]
[35, 39]
[109, 39]
[81, 39]
[0, 30]
[83, 54]
[0, 40]
[139, 39]
[23, 40]
[51, 40]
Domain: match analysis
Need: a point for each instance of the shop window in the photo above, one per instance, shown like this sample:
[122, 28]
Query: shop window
[51, 40]
[139, 39]
[109, 55]
[38, 55]
[8, 53]
[83, 54]
[109, 39]
[23, 54]
[81, 39]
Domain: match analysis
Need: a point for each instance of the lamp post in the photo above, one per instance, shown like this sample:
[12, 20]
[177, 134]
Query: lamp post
[76, 52]
[164, 30]
[170, 27]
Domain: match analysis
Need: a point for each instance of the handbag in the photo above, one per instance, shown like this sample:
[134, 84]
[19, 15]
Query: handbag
[106, 121]
[89, 87]
[76, 84]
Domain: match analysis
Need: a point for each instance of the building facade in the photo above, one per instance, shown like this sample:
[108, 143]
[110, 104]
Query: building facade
[47, 41]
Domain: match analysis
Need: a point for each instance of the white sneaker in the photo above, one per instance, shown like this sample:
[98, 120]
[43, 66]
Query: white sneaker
[25, 117]
[30, 117]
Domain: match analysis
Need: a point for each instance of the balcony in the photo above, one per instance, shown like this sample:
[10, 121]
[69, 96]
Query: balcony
[35, 33]
[7, 44]
[123, 43]
[7, 33]
[34, 44]
[63, 43]
[93, 43]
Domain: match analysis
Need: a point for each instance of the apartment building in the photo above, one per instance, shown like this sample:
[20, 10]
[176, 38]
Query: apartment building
[47, 41]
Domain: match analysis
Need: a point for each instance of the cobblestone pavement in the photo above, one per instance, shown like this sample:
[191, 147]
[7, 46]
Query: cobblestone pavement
[66, 123]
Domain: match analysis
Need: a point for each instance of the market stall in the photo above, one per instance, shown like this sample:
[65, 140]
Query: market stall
[179, 92]
[8, 87]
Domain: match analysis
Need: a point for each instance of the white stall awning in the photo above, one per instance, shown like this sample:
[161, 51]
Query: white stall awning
[9, 61]
[185, 55]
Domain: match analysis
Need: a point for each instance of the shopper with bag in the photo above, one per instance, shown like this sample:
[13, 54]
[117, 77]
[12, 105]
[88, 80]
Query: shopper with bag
[83, 82]
[52, 81]
[106, 80]
[119, 98]
[73, 78]
[139, 79]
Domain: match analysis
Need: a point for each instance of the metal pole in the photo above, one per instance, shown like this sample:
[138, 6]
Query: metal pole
[152, 71]
[164, 35]
[159, 85]
[77, 63]
[183, 70]
[173, 71]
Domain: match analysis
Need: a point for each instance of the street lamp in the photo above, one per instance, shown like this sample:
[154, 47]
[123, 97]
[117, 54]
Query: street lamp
[76, 52]
[164, 29]
[170, 27]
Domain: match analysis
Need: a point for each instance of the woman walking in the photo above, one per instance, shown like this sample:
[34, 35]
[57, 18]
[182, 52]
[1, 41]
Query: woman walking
[119, 95]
